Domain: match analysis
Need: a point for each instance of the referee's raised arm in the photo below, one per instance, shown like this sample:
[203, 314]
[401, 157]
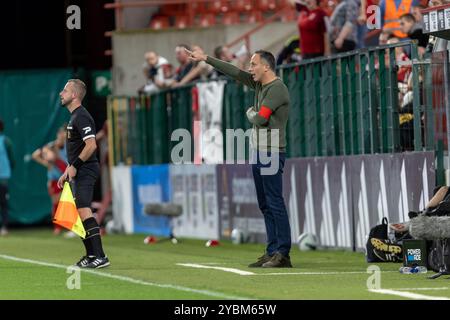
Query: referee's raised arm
[227, 68]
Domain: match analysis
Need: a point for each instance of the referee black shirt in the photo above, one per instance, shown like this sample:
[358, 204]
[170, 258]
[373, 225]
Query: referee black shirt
[81, 127]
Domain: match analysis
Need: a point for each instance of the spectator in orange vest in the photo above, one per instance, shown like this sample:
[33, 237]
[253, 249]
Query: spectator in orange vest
[391, 11]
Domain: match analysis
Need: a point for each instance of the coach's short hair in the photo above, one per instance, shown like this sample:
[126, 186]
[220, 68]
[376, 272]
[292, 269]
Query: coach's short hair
[268, 58]
[79, 87]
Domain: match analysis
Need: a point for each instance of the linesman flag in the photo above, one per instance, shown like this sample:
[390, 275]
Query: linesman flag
[67, 214]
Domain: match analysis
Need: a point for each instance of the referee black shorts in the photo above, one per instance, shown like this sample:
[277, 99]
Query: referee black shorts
[83, 184]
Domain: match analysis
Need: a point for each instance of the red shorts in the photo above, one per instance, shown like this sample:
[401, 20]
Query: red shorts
[53, 187]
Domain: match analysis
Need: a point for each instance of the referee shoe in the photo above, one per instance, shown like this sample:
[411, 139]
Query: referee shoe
[98, 262]
[84, 261]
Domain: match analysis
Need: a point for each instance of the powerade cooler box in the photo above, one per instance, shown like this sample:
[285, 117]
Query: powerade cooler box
[414, 253]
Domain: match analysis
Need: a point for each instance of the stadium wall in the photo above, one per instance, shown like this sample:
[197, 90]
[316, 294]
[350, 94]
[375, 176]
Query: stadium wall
[336, 198]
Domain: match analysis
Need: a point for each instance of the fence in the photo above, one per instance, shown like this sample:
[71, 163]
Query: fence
[346, 104]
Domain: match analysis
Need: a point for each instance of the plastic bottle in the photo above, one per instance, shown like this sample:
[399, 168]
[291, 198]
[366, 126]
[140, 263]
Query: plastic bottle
[412, 270]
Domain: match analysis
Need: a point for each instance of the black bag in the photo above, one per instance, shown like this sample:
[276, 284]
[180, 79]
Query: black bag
[380, 232]
[439, 256]
[443, 208]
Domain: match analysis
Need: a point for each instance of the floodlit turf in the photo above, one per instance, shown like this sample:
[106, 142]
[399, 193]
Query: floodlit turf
[140, 271]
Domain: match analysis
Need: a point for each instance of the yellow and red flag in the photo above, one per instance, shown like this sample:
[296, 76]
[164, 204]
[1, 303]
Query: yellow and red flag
[67, 214]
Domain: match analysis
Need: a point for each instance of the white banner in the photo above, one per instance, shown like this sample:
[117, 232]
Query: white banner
[122, 204]
[194, 187]
[210, 96]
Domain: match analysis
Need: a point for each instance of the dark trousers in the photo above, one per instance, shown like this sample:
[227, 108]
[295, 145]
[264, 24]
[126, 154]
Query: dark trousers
[269, 191]
[348, 45]
[311, 55]
[4, 203]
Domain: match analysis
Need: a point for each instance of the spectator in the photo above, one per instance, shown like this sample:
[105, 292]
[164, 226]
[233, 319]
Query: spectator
[385, 35]
[402, 60]
[157, 71]
[391, 11]
[239, 59]
[312, 29]
[224, 53]
[290, 53]
[406, 122]
[6, 166]
[200, 70]
[53, 157]
[185, 64]
[343, 24]
[362, 30]
[414, 30]
[417, 13]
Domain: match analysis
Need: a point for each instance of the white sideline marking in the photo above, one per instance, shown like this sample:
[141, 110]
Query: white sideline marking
[310, 273]
[128, 279]
[406, 294]
[232, 270]
[418, 289]
[248, 273]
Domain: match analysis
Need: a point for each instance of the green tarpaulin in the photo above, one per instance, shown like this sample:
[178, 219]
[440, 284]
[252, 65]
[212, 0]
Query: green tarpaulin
[31, 110]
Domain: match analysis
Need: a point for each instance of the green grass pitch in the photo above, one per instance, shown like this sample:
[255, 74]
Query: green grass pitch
[33, 266]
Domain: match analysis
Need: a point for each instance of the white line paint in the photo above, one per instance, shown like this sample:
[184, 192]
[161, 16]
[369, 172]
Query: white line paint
[420, 289]
[232, 270]
[406, 294]
[248, 273]
[309, 273]
[127, 279]
[315, 273]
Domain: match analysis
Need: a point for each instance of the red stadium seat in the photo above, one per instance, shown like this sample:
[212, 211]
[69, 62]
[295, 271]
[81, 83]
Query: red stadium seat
[283, 4]
[181, 22]
[242, 5]
[207, 20]
[254, 17]
[172, 9]
[230, 18]
[218, 6]
[266, 5]
[159, 22]
[198, 7]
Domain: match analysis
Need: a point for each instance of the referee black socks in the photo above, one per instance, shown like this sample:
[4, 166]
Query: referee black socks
[93, 241]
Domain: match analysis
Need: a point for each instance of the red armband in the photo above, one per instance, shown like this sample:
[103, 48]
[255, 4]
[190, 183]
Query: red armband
[265, 112]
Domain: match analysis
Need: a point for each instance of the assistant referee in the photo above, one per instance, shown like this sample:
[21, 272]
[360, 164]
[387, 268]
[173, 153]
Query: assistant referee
[83, 170]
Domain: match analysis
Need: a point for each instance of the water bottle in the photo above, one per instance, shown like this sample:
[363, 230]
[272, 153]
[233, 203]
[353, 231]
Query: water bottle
[412, 270]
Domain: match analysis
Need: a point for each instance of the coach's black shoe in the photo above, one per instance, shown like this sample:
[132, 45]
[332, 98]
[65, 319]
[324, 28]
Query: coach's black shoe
[98, 262]
[278, 261]
[261, 260]
[84, 261]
